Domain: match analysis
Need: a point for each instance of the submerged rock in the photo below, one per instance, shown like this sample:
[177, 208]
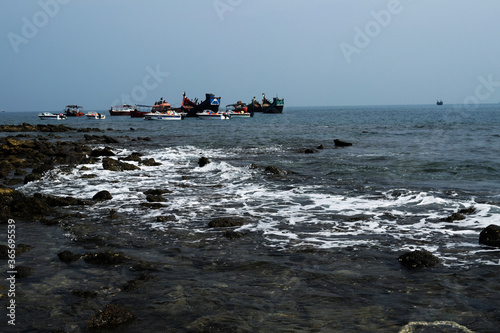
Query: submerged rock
[68, 256]
[105, 258]
[150, 162]
[115, 165]
[419, 259]
[340, 143]
[490, 236]
[227, 222]
[102, 152]
[23, 271]
[102, 196]
[203, 161]
[112, 316]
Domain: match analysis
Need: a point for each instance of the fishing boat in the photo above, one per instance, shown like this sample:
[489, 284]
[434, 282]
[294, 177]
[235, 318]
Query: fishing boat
[276, 106]
[48, 116]
[74, 110]
[238, 110]
[121, 110]
[95, 115]
[209, 114]
[140, 111]
[169, 115]
[191, 108]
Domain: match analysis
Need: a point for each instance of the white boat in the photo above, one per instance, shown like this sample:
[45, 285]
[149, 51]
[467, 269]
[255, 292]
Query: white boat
[169, 115]
[48, 115]
[121, 110]
[208, 114]
[95, 115]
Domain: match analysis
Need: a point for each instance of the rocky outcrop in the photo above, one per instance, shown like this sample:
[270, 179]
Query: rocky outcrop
[490, 236]
[115, 165]
[419, 259]
[102, 196]
[106, 151]
[340, 143]
[227, 222]
[111, 317]
[14, 204]
[203, 161]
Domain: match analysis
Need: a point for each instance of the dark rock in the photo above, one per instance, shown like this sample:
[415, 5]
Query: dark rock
[340, 143]
[136, 157]
[310, 151]
[320, 147]
[156, 192]
[54, 201]
[231, 234]
[434, 327]
[102, 152]
[84, 293]
[490, 236]
[150, 162]
[136, 283]
[112, 316]
[115, 165]
[15, 204]
[102, 196]
[104, 258]
[275, 170]
[4, 251]
[68, 256]
[152, 205]
[203, 161]
[454, 217]
[165, 218]
[109, 139]
[144, 138]
[468, 211]
[226, 222]
[155, 198]
[21, 248]
[23, 271]
[419, 259]
[49, 222]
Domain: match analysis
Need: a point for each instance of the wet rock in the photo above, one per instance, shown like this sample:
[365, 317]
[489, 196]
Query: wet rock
[112, 316]
[231, 234]
[155, 198]
[14, 204]
[434, 327]
[105, 258]
[490, 236]
[454, 217]
[203, 161]
[136, 283]
[309, 151]
[150, 162]
[49, 222]
[419, 259]
[146, 138]
[227, 222]
[68, 256]
[102, 152]
[109, 139]
[320, 147]
[4, 251]
[21, 248]
[275, 170]
[102, 196]
[340, 143]
[54, 201]
[468, 211]
[84, 293]
[152, 205]
[136, 157]
[115, 165]
[23, 271]
[165, 218]
[156, 191]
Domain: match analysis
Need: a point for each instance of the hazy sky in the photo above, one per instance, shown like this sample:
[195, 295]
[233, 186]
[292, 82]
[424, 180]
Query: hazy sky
[97, 53]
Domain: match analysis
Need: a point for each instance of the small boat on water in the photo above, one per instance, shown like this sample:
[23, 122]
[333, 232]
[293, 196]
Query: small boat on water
[121, 110]
[276, 106]
[439, 102]
[209, 114]
[48, 116]
[95, 115]
[74, 110]
[169, 115]
[238, 110]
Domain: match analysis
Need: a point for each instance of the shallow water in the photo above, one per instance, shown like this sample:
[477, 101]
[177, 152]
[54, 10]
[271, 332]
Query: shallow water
[319, 252]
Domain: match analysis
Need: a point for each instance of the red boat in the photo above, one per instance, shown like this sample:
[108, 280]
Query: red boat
[191, 108]
[73, 111]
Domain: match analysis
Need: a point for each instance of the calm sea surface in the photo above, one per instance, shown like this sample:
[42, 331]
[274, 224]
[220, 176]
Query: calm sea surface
[320, 250]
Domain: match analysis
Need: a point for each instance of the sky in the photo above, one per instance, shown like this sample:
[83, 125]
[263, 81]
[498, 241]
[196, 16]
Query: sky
[98, 53]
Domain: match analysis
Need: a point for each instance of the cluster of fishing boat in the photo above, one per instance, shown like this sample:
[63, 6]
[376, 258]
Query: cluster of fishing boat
[162, 110]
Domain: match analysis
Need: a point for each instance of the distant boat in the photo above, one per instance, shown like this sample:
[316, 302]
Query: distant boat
[276, 106]
[238, 110]
[95, 115]
[193, 108]
[121, 110]
[74, 111]
[439, 102]
[48, 115]
[169, 115]
[209, 114]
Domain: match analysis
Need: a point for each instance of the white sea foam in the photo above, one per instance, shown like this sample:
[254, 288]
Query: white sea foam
[287, 216]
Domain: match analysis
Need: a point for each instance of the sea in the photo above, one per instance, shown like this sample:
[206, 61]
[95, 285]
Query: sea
[319, 248]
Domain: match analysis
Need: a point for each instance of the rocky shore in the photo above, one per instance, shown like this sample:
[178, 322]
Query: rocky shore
[33, 151]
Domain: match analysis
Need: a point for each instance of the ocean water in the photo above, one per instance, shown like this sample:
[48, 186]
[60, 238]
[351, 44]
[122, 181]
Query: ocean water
[320, 250]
